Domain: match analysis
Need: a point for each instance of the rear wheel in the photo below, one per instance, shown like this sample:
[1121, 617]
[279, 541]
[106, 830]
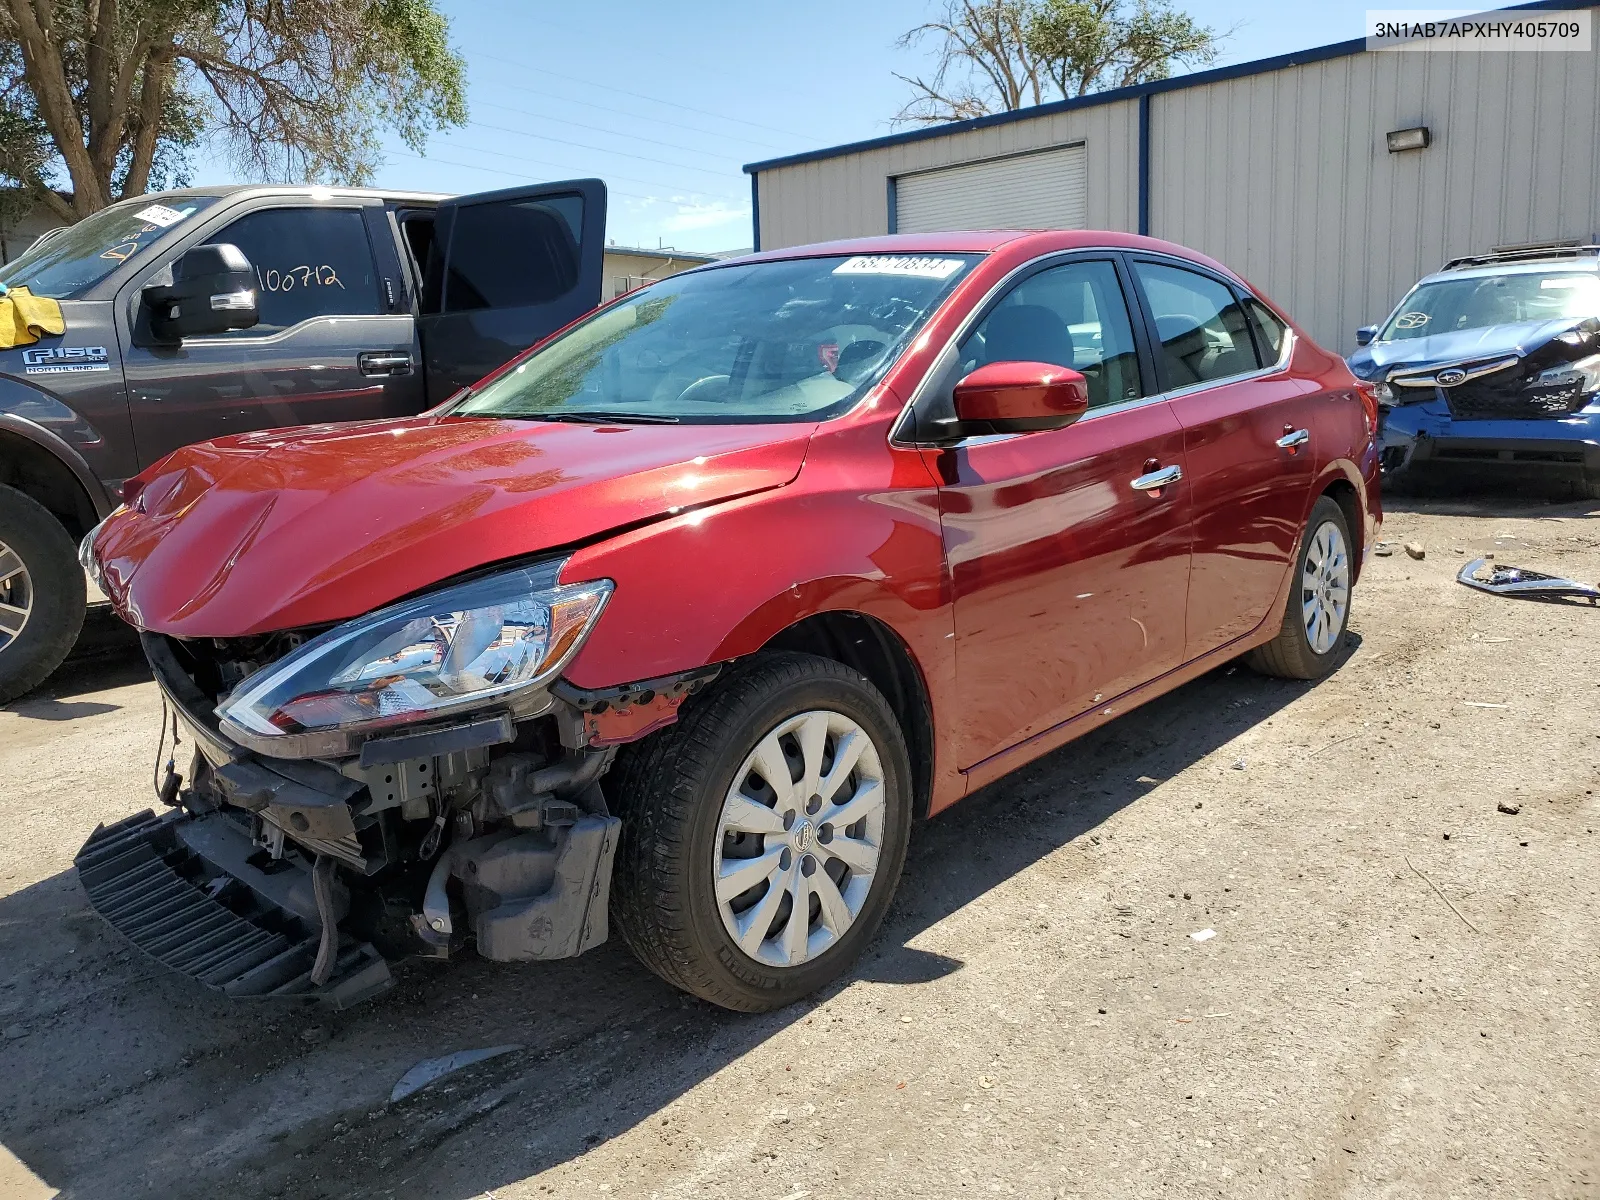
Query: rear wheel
[1318, 611]
[763, 834]
[42, 594]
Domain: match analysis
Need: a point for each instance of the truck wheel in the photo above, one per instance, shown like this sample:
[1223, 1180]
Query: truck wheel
[764, 833]
[42, 594]
[1318, 612]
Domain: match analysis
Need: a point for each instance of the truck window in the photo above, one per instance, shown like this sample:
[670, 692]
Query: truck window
[309, 262]
[512, 253]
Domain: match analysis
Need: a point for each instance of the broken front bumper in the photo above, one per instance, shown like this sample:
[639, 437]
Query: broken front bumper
[184, 890]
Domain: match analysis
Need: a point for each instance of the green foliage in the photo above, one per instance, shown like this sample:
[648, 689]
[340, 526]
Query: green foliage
[1002, 55]
[108, 98]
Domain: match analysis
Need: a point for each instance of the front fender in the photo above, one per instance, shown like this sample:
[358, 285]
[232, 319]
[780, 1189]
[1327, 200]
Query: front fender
[40, 418]
[720, 582]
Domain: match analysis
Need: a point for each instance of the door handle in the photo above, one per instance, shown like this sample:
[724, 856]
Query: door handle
[1154, 481]
[380, 362]
[1293, 439]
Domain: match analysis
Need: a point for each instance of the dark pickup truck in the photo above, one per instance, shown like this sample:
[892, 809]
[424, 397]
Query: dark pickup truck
[210, 311]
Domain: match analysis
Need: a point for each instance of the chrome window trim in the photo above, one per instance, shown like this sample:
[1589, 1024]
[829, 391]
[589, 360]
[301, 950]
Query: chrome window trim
[1285, 354]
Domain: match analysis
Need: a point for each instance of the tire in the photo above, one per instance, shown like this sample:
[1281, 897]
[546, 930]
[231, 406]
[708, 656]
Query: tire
[39, 572]
[675, 791]
[1299, 651]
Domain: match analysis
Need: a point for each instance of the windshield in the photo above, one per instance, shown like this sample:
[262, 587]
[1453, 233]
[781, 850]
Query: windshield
[82, 255]
[791, 340]
[1479, 302]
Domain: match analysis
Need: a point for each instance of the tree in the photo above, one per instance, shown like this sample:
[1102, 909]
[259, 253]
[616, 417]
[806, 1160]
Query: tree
[1002, 55]
[108, 96]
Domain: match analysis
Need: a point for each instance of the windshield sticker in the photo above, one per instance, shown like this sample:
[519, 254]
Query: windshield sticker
[65, 360]
[1560, 282]
[1412, 320]
[160, 214]
[899, 264]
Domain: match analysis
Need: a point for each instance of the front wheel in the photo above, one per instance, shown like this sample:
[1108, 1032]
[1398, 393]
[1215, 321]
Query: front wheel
[1318, 612]
[42, 594]
[764, 833]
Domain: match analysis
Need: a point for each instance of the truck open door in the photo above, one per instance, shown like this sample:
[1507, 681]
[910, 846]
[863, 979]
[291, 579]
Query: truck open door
[504, 269]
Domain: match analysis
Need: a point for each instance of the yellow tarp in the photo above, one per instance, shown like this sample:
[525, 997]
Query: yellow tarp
[26, 318]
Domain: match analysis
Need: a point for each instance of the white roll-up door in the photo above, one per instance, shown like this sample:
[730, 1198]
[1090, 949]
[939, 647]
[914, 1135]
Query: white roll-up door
[1047, 189]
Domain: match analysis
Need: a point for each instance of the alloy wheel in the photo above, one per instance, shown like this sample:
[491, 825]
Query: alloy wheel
[16, 595]
[799, 838]
[1325, 588]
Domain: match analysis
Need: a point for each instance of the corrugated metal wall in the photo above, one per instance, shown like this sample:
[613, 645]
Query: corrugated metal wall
[1285, 176]
[848, 196]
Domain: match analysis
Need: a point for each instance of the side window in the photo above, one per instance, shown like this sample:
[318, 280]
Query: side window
[309, 262]
[513, 253]
[1200, 324]
[1269, 330]
[1074, 315]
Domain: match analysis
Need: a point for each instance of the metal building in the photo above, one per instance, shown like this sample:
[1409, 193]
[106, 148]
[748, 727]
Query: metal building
[1281, 168]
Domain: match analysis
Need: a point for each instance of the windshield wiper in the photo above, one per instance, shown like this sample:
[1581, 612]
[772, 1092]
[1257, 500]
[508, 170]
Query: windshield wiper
[595, 417]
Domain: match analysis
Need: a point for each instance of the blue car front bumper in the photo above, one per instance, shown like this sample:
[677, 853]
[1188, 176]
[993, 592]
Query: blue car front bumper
[1424, 439]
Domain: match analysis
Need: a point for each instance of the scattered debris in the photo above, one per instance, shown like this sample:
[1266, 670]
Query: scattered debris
[986, 1082]
[1240, 765]
[430, 1069]
[315, 1034]
[1510, 810]
[12, 1032]
[1384, 549]
[1483, 704]
[1523, 583]
[1205, 935]
[1417, 550]
[905, 1018]
[1442, 896]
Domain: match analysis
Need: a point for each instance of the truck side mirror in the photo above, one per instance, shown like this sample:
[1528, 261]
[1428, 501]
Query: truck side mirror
[212, 290]
[1365, 334]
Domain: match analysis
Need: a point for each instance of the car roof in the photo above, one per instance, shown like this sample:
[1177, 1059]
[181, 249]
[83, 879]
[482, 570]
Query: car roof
[298, 189]
[984, 241]
[1587, 264]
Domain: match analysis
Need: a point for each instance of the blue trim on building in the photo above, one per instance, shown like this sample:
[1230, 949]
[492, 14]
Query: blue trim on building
[892, 199]
[755, 212]
[1260, 66]
[1144, 165]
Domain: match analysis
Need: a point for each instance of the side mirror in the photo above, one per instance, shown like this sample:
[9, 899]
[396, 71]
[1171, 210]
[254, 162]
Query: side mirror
[1021, 397]
[1365, 334]
[213, 290]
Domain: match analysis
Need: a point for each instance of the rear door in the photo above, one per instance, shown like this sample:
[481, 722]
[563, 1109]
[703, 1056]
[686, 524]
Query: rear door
[336, 341]
[503, 270]
[1069, 580]
[1247, 429]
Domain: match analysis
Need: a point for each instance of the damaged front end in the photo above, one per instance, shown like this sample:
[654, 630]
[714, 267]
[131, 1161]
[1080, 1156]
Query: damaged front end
[1530, 405]
[401, 784]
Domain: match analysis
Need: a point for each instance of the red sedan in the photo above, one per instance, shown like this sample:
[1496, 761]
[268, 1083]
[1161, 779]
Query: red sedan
[687, 614]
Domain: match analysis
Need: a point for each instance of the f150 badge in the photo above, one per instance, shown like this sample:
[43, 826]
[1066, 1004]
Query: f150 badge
[65, 360]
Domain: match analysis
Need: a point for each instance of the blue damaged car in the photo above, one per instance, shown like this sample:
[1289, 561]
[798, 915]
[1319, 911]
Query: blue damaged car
[1490, 369]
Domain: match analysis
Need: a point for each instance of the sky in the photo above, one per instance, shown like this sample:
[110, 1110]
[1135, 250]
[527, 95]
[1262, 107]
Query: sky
[667, 101]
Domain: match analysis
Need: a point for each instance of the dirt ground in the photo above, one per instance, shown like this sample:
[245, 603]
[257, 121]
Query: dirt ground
[1399, 1000]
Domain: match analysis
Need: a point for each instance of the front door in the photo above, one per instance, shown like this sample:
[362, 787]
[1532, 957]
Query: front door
[335, 342]
[1247, 429]
[505, 269]
[1069, 582]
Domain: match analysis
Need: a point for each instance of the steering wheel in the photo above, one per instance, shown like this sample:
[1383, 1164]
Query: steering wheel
[701, 389]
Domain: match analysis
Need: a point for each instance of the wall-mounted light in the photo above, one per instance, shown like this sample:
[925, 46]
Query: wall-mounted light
[1408, 139]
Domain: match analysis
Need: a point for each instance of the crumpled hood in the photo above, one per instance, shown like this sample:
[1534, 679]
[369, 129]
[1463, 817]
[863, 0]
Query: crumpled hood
[1377, 360]
[277, 530]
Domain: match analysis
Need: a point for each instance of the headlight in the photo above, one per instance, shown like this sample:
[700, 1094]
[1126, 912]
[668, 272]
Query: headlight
[1583, 375]
[86, 558]
[1383, 394]
[459, 648]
